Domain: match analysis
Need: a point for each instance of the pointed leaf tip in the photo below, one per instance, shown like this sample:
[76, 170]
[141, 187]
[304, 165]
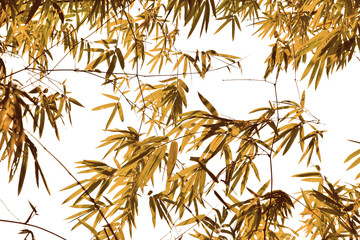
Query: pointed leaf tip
[208, 105]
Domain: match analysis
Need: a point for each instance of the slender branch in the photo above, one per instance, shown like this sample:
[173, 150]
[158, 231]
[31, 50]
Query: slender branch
[247, 79]
[78, 182]
[136, 58]
[77, 43]
[127, 74]
[34, 226]
[9, 210]
[270, 157]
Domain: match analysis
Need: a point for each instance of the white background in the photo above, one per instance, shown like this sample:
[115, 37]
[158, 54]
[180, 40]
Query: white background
[335, 103]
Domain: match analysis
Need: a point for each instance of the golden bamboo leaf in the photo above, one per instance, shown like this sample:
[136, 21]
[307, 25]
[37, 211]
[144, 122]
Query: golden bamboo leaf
[101, 107]
[172, 158]
[195, 219]
[208, 105]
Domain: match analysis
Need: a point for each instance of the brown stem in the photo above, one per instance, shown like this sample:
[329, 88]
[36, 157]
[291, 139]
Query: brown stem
[78, 182]
[34, 226]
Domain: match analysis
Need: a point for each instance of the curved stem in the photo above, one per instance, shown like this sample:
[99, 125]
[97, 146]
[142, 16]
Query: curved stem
[34, 226]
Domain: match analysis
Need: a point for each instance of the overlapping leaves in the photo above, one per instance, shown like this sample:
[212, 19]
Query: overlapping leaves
[181, 157]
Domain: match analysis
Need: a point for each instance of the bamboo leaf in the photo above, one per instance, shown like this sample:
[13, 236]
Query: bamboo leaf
[173, 151]
[245, 178]
[120, 111]
[42, 121]
[213, 7]
[59, 11]
[103, 56]
[302, 102]
[60, 108]
[153, 210]
[194, 219]
[326, 200]
[263, 188]
[33, 10]
[120, 57]
[111, 67]
[253, 166]
[352, 155]
[92, 230]
[308, 174]
[39, 171]
[101, 107]
[76, 102]
[293, 135]
[178, 62]
[208, 105]
[23, 168]
[355, 163]
[112, 115]
[111, 96]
